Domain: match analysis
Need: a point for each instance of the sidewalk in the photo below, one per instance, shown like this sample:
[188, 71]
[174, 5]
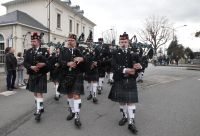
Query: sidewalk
[17, 108]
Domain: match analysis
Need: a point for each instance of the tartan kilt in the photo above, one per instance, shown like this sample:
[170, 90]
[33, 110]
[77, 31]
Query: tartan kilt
[92, 75]
[37, 83]
[54, 76]
[124, 91]
[77, 87]
[102, 72]
[108, 69]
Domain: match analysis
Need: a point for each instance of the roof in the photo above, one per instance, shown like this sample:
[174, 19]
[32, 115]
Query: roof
[19, 17]
[63, 3]
[14, 2]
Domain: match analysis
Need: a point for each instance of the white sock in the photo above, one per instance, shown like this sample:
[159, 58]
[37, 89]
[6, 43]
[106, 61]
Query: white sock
[77, 106]
[94, 89]
[101, 81]
[56, 88]
[39, 104]
[111, 76]
[71, 103]
[90, 88]
[35, 98]
[131, 112]
[142, 75]
[123, 110]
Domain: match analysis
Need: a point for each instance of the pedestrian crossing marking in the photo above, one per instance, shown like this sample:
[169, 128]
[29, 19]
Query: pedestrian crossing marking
[8, 93]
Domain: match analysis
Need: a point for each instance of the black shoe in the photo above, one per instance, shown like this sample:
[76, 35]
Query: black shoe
[14, 87]
[42, 110]
[123, 121]
[95, 100]
[9, 89]
[89, 97]
[70, 116]
[99, 89]
[99, 92]
[77, 122]
[132, 128]
[56, 98]
[38, 117]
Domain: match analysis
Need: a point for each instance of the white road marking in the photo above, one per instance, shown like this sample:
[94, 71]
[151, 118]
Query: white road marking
[8, 93]
[198, 79]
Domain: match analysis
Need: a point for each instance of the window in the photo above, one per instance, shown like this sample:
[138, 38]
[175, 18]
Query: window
[2, 48]
[58, 20]
[77, 29]
[70, 26]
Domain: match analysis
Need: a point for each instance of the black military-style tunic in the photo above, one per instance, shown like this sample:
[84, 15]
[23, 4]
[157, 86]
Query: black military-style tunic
[104, 60]
[54, 67]
[124, 88]
[91, 55]
[71, 80]
[37, 81]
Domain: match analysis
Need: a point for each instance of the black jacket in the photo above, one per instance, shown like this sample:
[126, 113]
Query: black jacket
[67, 56]
[31, 59]
[11, 61]
[121, 60]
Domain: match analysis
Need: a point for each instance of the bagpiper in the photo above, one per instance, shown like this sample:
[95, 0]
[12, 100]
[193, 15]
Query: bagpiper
[71, 64]
[91, 75]
[124, 89]
[105, 57]
[54, 71]
[35, 62]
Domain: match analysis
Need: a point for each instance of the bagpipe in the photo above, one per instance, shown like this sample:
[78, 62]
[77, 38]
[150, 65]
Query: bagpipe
[143, 49]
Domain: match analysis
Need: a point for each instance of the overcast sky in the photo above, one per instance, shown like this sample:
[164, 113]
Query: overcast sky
[129, 15]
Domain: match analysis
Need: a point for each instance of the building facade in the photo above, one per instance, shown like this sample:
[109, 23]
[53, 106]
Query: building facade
[56, 19]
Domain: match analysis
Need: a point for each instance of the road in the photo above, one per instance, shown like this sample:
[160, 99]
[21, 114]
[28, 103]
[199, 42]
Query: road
[168, 106]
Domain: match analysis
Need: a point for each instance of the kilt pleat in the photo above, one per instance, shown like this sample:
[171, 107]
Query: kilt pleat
[77, 87]
[92, 75]
[37, 83]
[123, 92]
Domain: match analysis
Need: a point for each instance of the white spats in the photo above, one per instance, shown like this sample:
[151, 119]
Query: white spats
[71, 104]
[131, 112]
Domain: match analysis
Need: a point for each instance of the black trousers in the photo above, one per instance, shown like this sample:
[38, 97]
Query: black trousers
[11, 76]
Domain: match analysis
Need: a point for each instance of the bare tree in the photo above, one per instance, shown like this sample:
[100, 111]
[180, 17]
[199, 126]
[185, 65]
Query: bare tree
[157, 31]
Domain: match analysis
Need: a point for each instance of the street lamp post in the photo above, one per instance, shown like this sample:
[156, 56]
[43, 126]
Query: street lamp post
[49, 19]
[106, 31]
[173, 30]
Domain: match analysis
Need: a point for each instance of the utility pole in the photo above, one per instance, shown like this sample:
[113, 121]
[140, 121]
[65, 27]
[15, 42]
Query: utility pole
[49, 19]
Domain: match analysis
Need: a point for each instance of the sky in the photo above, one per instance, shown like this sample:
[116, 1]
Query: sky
[129, 15]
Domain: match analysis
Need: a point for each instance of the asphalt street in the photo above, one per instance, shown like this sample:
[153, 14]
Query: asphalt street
[168, 106]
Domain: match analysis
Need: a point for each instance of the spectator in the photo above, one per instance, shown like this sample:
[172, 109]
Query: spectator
[20, 69]
[11, 65]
